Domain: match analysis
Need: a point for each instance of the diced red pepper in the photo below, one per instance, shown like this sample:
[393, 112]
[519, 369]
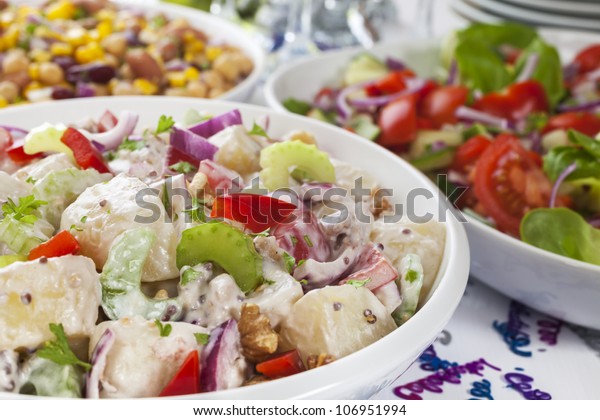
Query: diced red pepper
[187, 379]
[256, 212]
[285, 364]
[17, 154]
[107, 121]
[63, 243]
[86, 155]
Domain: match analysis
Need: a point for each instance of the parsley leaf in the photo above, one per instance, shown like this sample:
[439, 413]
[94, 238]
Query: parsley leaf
[300, 263]
[269, 282]
[202, 338]
[358, 283]
[31, 180]
[411, 275]
[257, 130]
[293, 240]
[59, 351]
[132, 145]
[183, 167]
[303, 281]
[164, 124]
[289, 261]
[188, 276]
[197, 211]
[164, 329]
[308, 241]
[24, 210]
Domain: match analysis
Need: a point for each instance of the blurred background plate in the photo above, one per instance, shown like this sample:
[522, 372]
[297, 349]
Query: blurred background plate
[492, 10]
[582, 8]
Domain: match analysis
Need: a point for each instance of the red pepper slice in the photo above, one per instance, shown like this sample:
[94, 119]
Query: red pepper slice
[256, 212]
[17, 154]
[107, 121]
[186, 380]
[63, 243]
[282, 365]
[86, 155]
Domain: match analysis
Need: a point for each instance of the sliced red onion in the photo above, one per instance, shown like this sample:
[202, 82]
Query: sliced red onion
[529, 67]
[438, 145]
[477, 94]
[99, 146]
[264, 121]
[568, 171]
[343, 109]
[473, 115]
[83, 90]
[223, 366]
[394, 64]
[457, 178]
[211, 127]
[114, 137]
[536, 141]
[570, 71]
[176, 65]
[192, 144]
[594, 221]
[373, 265]
[326, 102]
[320, 274]
[452, 73]
[414, 85]
[14, 130]
[98, 361]
[586, 106]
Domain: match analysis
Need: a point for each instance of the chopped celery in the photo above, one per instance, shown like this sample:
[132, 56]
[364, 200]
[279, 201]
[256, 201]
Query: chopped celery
[410, 282]
[22, 237]
[46, 138]
[6, 260]
[226, 246]
[49, 379]
[363, 125]
[61, 188]
[122, 276]
[277, 159]
[364, 67]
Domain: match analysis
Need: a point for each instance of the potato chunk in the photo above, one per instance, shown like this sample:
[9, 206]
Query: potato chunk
[33, 294]
[141, 363]
[337, 320]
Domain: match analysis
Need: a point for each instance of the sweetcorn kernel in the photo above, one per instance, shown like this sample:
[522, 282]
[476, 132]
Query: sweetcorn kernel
[40, 56]
[89, 53]
[77, 37]
[192, 73]
[104, 29]
[106, 15]
[196, 46]
[32, 86]
[11, 37]
[176, 79]
[34, 71]
[145, 86]
[61, 48]
[62, 9]
[213, 52]
[3, 102]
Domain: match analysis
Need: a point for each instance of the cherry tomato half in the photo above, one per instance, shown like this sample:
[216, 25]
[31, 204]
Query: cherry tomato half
[440, 105]
[398, 122]
[584, 122]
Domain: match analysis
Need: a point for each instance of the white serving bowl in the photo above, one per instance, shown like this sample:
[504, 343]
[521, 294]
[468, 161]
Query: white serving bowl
[365, 372]
[559, 286]
[217, 29]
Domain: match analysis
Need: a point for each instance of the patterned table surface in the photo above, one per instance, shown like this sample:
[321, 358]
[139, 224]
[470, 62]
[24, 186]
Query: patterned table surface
[495, 348]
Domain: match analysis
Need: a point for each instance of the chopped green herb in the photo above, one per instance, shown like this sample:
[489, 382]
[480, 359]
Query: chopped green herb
[264, 233]
[59, 351]
[358, 283]
[308, 241]
[24, 210]
[268, 282]
[164, 124]
[188, 276]
[183, 167]
[202, 338]
[303, 281]
[294, 240]
[164, 329]
[83, 219]
[197, 211]
[165, 198]
[73, 227]
[110, 156]
[31, 180]
[296, 106]
[79, 13]
[257, 130]
[300, 263]
[132, 145]
[158, 22]
[30, 28]
[289, 262]
[411, 275]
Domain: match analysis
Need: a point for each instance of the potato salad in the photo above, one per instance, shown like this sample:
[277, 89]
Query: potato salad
[192, 257]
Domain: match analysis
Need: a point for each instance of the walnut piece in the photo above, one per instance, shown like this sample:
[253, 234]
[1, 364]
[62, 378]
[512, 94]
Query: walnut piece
[258, 339]
[256, 379]
[381, 203]
[315, 361]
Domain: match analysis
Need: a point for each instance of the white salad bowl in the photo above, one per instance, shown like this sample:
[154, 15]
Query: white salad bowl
[559, 286]
[360, 374]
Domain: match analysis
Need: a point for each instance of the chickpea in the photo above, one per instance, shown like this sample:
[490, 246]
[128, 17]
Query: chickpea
[111, 60]
[176, 92]
[14, 62]
[125, 88]
[197, 89]
[214, 92]
[101, 90]
[9, 90]
[213, 79]
[115, 44]
[303, 136]
[51, 74]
